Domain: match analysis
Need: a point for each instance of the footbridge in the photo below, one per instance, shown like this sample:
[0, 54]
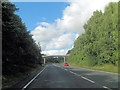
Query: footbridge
[46, 56]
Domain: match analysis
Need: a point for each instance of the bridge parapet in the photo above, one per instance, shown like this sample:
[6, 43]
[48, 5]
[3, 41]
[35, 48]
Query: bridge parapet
[55, 55]
[45, 56]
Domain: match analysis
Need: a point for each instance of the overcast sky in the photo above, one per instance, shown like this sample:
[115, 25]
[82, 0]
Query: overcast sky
[59, 24]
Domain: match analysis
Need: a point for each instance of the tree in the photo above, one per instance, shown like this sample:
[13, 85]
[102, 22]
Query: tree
[99, 43]
[19, 49]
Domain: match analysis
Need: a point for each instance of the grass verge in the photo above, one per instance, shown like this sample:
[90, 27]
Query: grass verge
[9, 81]
[105, 67]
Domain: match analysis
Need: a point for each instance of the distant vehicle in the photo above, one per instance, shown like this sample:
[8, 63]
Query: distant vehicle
[66, 64]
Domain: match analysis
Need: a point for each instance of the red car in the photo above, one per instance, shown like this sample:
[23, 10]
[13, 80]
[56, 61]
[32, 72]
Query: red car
[66, 64]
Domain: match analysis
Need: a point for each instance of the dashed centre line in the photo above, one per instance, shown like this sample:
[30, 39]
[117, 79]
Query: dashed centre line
[87, 79]
[82, 77]
[107, 88]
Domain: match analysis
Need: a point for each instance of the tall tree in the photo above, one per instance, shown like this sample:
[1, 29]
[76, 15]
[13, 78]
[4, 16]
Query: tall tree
[99, 43]
[19, 49]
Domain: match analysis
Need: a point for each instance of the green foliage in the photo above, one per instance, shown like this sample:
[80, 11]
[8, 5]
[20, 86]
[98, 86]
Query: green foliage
[99, 44]
[19, 49]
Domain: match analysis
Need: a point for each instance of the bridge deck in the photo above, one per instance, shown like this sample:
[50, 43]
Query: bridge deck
[56, 56]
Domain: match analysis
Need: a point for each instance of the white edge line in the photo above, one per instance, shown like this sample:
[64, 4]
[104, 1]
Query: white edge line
[96, 70]
[32, 80]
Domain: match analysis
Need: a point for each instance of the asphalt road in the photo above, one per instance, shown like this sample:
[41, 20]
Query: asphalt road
[59, 76]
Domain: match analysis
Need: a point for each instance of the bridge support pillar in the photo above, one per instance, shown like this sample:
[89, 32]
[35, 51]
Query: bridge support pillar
[64, 59]
[44, 60]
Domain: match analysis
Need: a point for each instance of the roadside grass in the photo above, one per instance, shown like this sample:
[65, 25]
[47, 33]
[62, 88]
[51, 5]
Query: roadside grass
[105, 67]
[9, 81]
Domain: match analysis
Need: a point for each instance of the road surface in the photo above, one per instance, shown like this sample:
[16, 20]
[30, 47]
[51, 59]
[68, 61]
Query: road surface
[59, 76]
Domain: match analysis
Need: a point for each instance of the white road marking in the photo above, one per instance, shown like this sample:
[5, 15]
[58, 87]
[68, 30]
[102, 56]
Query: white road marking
[95, 70]
[72, 72]
[87, 79]
[83, 77]
[32, 79]
[106, 72]
[75, 73]
[107, 88]
[65, 69]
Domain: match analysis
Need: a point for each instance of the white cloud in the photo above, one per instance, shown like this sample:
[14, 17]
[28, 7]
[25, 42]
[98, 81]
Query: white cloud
[79, 11]
[51, 36]
[62, 42]
[44, 33]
